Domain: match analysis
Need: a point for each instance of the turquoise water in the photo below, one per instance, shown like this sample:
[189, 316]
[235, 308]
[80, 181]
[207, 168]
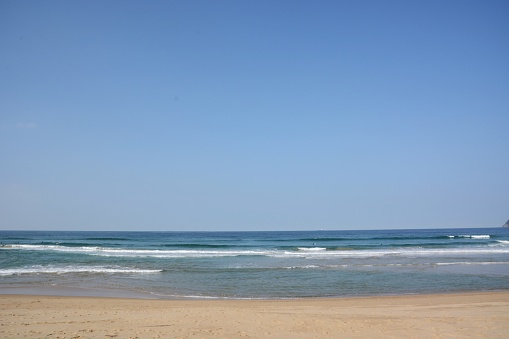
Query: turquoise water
[259, 264]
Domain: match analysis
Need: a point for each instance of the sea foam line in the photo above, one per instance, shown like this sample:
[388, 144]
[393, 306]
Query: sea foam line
[313, 252]
[472, 263]
[121, 252]
[74, 269]
[312, 249]
[471, 236]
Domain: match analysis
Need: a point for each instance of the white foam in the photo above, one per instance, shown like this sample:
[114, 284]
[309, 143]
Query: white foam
[303, 252]
[75, 269]
[480, 236]
[301, 267]
[403, 252]
[312, 249]
[472, 263]
[122, 252]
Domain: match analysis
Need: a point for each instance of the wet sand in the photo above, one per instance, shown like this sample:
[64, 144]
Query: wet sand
[468, 315]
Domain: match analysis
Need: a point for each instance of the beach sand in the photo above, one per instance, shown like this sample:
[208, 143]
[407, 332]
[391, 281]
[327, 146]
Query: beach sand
[471, 315]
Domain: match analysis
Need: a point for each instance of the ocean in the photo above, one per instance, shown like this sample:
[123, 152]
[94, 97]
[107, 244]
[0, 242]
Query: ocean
[255, 265]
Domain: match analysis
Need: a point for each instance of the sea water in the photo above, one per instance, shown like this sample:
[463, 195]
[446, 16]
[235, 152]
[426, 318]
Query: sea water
[257, 264]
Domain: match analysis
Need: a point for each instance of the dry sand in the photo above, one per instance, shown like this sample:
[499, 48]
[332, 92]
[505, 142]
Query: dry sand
[474, 315]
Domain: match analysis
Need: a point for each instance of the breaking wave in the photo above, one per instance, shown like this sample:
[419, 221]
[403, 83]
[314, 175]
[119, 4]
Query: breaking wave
[75, 269]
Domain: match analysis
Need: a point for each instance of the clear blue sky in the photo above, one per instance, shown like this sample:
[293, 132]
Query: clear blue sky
[253, 115]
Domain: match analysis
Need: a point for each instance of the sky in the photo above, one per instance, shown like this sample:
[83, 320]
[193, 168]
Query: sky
[253, 115]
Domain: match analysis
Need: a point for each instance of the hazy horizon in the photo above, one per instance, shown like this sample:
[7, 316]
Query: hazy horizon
[248, 230]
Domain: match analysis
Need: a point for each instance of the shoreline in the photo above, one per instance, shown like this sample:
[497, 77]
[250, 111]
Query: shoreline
[70, 291]
[105, 294]
[471, 315]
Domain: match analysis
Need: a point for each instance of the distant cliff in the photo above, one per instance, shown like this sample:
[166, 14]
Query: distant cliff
[506, 224]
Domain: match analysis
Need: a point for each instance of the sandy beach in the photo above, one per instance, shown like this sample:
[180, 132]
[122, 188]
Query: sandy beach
[474, 315]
